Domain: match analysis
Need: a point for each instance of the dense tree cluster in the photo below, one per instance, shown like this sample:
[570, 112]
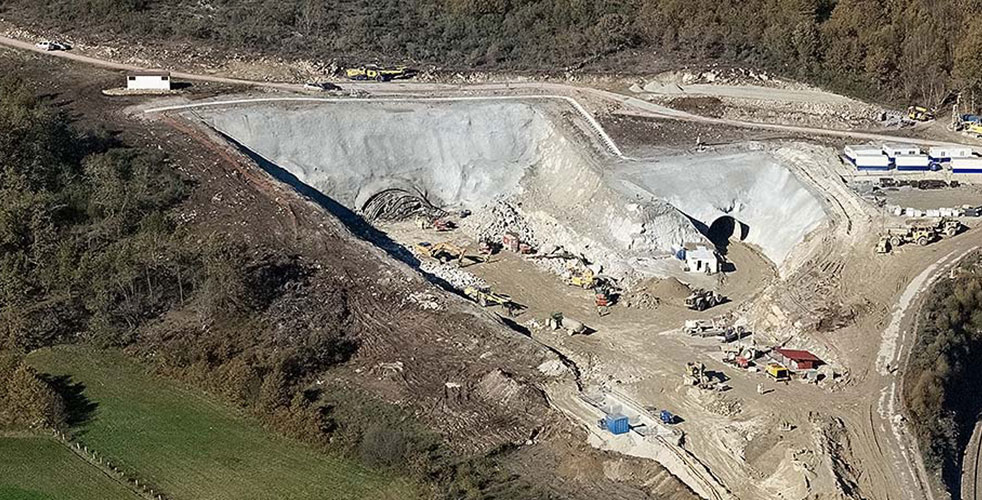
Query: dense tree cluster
[27, 402]
[942, 381]
[905, 49]
[85, 241]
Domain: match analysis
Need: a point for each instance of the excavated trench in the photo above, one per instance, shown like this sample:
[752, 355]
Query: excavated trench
[391, 160]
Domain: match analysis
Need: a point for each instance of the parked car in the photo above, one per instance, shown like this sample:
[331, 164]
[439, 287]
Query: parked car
[47, 45]
[322, 86]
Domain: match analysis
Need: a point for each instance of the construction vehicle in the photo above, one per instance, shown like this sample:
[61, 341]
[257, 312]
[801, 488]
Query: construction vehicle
[703, 328]
[604, 296]
[377, 73]
[950, 227]
[446, 252]
[444, 225]
[443, 252]
[485, 297]
[583, 279]
[919, 114]
[778, 372]
[702, 299]
[697, 375]
[922, 235]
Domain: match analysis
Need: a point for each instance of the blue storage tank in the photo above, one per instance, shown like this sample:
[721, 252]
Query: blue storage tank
[617, 424]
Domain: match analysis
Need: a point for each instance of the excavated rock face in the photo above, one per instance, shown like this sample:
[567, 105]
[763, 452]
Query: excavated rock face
[498, 157]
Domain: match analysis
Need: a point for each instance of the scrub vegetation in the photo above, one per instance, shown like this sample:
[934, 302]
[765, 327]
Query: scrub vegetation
[941, 383]
[907, 49]
[92, 253]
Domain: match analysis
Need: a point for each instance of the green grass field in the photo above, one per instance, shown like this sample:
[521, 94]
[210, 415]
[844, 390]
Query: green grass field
[38, 468]
[192, 447]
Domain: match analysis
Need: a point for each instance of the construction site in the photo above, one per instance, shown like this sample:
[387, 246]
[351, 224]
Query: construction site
[729, 296]
[726, 309]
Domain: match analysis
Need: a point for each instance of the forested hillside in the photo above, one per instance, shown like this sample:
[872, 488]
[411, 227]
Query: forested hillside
[902, 49]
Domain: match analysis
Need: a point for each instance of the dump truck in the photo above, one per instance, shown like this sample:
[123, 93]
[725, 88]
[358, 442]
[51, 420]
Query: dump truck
[702, 299]
[919, 114]
[378, 73]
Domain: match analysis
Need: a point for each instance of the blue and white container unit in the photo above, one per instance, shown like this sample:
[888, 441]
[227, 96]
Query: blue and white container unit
[966, 165]
[944, 154]
[912, 163]
[866, 157]
[893, 150]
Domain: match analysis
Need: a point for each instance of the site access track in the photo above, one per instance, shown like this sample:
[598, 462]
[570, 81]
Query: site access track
[905, 477]
[631, 104]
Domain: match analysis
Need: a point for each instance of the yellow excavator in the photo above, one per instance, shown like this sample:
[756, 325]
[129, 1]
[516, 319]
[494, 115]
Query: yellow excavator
[446, 252]
[378, 73]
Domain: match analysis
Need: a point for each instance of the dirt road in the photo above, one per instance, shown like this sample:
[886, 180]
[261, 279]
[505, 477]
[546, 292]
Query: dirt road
[632, 105]
[970, 465]
[745, 92]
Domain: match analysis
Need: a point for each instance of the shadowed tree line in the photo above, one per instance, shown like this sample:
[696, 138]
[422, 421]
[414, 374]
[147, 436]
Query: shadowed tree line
[903, 49]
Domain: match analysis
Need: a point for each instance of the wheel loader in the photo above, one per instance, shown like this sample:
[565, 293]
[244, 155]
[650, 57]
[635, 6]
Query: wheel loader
[922, 235]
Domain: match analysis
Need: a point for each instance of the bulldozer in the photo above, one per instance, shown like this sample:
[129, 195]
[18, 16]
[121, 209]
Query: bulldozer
[702, 299]
[378, 73]
[919, 114]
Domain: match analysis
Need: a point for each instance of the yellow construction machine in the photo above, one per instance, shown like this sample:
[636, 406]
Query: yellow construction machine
[583, 279]
[378, 73]
[922, 235]
[443, 252]
[446, 252]
[919, 114]
[485, 296]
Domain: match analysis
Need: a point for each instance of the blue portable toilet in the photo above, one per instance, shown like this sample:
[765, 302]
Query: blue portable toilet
[617, 424]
